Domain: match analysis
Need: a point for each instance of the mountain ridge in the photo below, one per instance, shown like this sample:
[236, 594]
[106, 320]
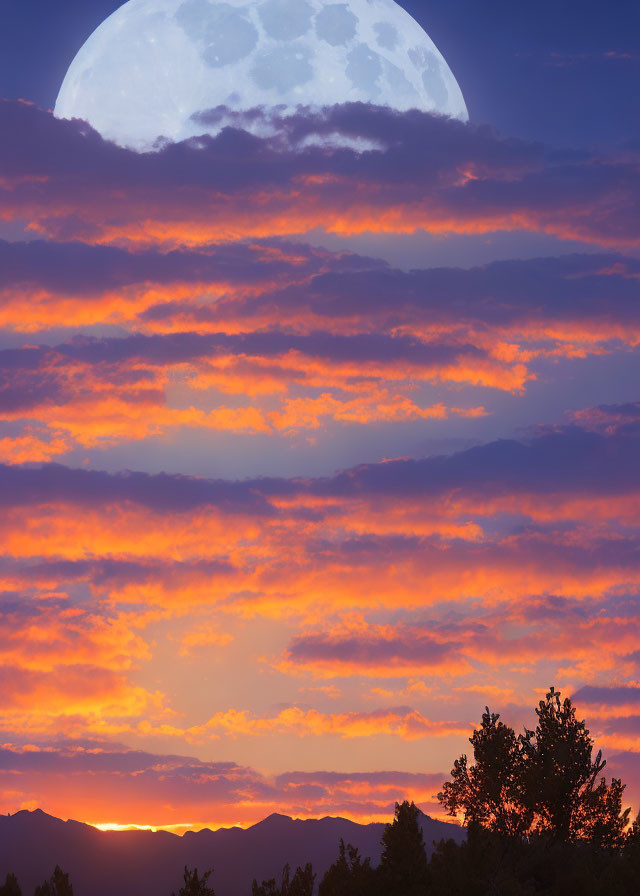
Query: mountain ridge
[150, 863]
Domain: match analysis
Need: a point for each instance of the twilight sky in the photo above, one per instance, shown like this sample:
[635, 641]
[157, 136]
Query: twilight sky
[306, 455]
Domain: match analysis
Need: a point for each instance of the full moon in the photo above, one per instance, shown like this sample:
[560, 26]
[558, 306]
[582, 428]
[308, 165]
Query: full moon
[154, 66]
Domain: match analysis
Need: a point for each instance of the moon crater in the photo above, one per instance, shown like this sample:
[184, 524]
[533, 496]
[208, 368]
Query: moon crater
[283, 69]
[285, 19]
[364, 68]
[336, 24]
[386, 35]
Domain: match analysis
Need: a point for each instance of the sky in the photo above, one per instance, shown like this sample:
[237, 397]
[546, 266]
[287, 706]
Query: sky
[308, 454]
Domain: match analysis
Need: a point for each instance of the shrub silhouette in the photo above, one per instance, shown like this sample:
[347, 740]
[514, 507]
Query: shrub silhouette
[349, 875]
[57, 885]
[194, 885]
[301, 884]
[11, 887]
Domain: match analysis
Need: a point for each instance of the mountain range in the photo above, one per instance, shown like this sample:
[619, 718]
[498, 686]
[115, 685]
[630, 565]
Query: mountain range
[146, 863]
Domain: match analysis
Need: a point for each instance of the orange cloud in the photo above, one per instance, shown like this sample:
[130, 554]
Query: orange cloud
[404, 723]
[105, 781]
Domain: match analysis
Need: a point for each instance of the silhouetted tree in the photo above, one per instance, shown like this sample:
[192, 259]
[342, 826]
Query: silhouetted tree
[539, 866]
[267, 888]
[482, 865]
[632, 839]
[602, 820]
[195, 885]
[11, 887]
[542, 782]
[349, 875]
[489, 793]
[403, 868]
[301, 884]
[57, 885]
[559, 779]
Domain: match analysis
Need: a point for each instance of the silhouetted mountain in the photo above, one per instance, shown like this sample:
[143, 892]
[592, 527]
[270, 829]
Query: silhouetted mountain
[143, 863]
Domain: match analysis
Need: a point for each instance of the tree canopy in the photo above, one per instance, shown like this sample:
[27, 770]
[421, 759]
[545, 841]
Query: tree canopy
[544, 781]
[490, 793]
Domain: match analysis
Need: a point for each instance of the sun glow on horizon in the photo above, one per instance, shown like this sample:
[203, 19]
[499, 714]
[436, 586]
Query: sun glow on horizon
[182, 828]
[179, 829]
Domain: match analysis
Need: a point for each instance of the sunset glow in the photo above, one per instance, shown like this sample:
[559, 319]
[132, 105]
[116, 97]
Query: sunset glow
[314, 442]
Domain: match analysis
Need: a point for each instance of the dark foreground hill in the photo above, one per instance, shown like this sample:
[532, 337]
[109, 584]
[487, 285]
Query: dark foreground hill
[143, 863]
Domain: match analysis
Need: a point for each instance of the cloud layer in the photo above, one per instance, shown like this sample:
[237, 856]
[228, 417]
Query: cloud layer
[430, 173]
[166, 312]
